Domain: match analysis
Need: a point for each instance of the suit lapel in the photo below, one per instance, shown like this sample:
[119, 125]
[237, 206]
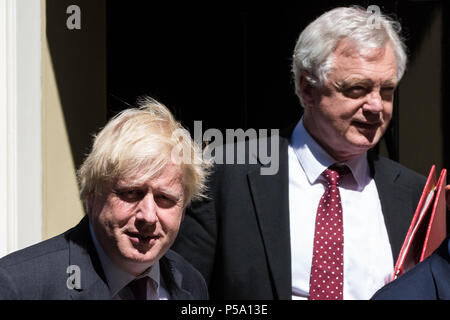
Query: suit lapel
[173, 278]
[82, 253]
[270, 196]
[396, 202]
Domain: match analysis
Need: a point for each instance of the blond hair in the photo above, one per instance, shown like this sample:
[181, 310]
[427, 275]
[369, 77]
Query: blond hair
[140, 141]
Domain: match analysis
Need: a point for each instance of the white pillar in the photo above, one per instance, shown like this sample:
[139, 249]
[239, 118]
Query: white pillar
[20, 125]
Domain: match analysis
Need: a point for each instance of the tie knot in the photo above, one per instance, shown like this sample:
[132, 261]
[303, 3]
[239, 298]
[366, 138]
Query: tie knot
[334, 174]
[139, 288]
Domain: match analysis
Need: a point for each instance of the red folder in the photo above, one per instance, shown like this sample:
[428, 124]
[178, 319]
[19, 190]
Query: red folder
[428, 227]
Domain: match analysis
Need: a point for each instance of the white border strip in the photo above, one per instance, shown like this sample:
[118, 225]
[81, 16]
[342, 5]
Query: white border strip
[3, 133]
[9, 129]
[29, 122]
[11, 94]
[20, 125]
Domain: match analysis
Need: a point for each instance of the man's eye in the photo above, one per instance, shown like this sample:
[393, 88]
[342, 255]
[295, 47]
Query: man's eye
[130, 194]
[387, 93]
[164, 201]
[355, 92]
[388, 89]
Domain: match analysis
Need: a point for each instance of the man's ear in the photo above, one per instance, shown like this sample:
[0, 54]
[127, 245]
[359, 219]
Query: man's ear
[307, 90]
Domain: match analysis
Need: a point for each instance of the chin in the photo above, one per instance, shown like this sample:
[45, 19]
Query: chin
[366, 140]
[364, 148]
[147, 253]
[356, 148]
[139, 258]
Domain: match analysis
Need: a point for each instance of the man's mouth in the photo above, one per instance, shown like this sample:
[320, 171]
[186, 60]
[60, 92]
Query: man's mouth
[367, 125]
[141, 238]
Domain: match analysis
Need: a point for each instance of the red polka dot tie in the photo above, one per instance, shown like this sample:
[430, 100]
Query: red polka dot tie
[327, 269]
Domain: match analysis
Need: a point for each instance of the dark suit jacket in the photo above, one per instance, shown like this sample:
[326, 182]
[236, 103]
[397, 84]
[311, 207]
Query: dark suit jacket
[239, 238]
[40, 271]
[429, 280]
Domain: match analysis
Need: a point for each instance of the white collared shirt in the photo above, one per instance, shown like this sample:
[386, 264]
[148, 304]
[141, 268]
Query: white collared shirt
[118, 279]
[368, 262]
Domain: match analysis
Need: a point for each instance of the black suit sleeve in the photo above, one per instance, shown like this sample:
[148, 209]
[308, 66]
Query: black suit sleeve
[428, 280]
[196, 241]
[414, 285]
[197, 286]
[8, 289]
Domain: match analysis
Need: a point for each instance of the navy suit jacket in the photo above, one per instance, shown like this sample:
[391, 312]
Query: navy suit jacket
[239, 237]
[39, 272]
[429, 280]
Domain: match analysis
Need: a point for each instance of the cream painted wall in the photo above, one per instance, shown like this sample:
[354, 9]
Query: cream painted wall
[73, 105]
[61, 205]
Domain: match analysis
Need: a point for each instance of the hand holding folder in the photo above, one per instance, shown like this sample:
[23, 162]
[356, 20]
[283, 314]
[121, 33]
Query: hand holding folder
[428, 227]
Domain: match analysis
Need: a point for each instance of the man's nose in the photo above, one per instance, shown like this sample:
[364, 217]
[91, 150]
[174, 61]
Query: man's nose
[147, 209]
[374, 102]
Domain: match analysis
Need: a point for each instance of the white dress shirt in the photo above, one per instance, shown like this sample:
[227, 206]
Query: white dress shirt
[368, 262]
[118, 279]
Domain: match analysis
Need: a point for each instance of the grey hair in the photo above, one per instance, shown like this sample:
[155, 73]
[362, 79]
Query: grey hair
[315, 45]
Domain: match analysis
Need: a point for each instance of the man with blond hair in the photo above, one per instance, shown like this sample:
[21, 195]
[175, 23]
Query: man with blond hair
[135, 191]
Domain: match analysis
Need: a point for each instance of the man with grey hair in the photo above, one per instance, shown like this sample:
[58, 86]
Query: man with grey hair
[135, 192]
[331, 222]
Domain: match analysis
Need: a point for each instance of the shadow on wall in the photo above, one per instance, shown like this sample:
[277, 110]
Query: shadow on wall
[79, 62]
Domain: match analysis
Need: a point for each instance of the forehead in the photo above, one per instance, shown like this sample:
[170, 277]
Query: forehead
[374, 64]
[170, 176]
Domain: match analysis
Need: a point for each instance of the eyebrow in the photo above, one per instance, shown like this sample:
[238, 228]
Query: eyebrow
[128, 185]
[345, 84]
[390, 83]
[165, 191]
